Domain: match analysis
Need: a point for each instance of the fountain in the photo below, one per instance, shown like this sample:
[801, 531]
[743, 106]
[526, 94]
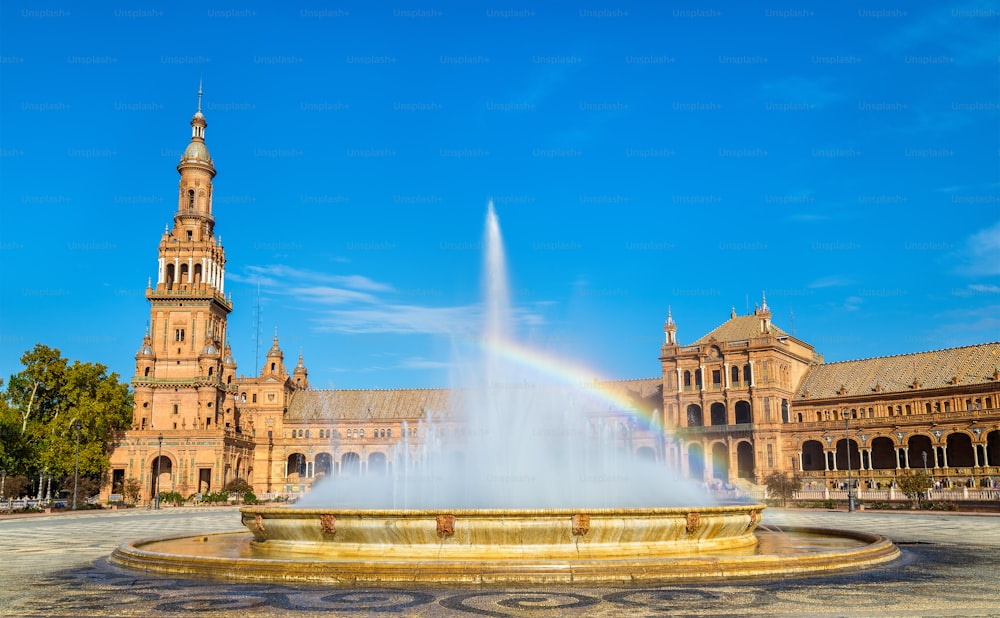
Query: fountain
[537, 489]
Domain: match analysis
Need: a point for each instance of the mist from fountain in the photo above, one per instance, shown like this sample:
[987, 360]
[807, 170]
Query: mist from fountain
[514, 438]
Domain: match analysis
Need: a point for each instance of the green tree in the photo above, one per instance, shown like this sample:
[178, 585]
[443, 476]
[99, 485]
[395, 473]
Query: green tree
[239, 487]
[915, 486]
[782, 487]
[51, 404]
[131, 490]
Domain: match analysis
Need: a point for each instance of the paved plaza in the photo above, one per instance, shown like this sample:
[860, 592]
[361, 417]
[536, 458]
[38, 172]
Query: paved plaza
[54, 565]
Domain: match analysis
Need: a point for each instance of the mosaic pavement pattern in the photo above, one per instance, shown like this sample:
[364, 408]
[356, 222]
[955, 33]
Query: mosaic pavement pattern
[54, 566]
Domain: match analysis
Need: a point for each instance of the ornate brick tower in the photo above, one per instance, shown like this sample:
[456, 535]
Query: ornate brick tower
[186, 408]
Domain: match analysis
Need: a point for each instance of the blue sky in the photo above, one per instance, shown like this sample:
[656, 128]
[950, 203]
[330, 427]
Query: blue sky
[843, 157]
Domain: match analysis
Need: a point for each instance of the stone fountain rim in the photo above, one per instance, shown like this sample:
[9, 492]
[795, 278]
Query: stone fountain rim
[877, 550]
[743, 507]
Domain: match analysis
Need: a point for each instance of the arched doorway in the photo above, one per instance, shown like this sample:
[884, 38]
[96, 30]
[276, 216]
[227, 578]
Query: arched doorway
[842, 455]
[161, 475]
[743, 414]
[960, 453]
[720, 461]
[813, 458]
[350, 464]
[694, 416]
[916, 446]
[744, 460]
[883, 454]
[296, 465]
[696, 462]
[378, 464]
[718, 414]
[323, 465]
[993, 448]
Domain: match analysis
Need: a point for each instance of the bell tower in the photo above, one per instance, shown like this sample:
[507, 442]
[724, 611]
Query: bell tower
[183, 375]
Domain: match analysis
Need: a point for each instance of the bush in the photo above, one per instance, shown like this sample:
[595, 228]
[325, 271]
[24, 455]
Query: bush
[781, 487]
[942, 506]
[171, 497]
[250, 498]
[914, 487]
[215, 498]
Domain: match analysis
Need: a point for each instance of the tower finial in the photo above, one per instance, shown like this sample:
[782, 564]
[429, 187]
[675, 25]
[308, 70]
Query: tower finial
[199, 95]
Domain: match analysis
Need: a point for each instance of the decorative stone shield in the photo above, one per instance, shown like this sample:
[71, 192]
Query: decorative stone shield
[328, 523]
[581, 524]
[693, 522]
[445, 525]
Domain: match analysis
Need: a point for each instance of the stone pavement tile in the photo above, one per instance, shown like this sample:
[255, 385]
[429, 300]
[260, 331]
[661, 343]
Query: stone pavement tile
[932, 578]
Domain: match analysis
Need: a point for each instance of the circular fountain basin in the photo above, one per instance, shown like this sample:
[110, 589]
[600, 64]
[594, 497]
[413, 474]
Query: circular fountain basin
[609, 546]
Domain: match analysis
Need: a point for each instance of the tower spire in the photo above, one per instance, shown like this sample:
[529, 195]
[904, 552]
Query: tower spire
[199, 96]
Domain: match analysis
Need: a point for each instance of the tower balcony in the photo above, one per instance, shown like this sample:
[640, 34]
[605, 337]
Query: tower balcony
[183, 382]
[188, 291]
[738, 429]
[191, 212]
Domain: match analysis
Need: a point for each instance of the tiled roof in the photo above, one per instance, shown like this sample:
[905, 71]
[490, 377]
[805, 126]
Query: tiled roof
[644, 393]
[973, 364]
[739, 328]
[401, 404]
[411, 404]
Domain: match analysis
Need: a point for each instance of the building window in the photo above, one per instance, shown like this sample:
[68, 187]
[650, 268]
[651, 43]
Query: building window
[388, 433]
[716, 378]
[770, 456]
[254, 398]
[190, 198]
[175, 409]
[178, 334]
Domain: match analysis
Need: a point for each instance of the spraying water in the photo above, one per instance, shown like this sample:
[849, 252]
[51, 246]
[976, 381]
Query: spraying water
[511, 439]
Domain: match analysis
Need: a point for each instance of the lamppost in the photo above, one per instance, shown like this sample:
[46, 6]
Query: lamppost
[76, 466]
[159, 457]
[847, 445]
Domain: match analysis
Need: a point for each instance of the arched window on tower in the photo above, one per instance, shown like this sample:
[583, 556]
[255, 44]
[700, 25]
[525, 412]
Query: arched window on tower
[190, 198]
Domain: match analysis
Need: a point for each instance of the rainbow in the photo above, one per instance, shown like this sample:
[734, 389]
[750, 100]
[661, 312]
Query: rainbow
[564, 372]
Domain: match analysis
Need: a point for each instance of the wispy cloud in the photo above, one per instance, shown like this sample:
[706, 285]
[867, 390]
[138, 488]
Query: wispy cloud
[981, 254]
[964, 32]
[356, 304]
[815, 93]
[853, 303]
[830, 282]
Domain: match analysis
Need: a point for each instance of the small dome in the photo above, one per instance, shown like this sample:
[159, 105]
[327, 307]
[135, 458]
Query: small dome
[209, 349]
[145, 350]
[197, 151]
